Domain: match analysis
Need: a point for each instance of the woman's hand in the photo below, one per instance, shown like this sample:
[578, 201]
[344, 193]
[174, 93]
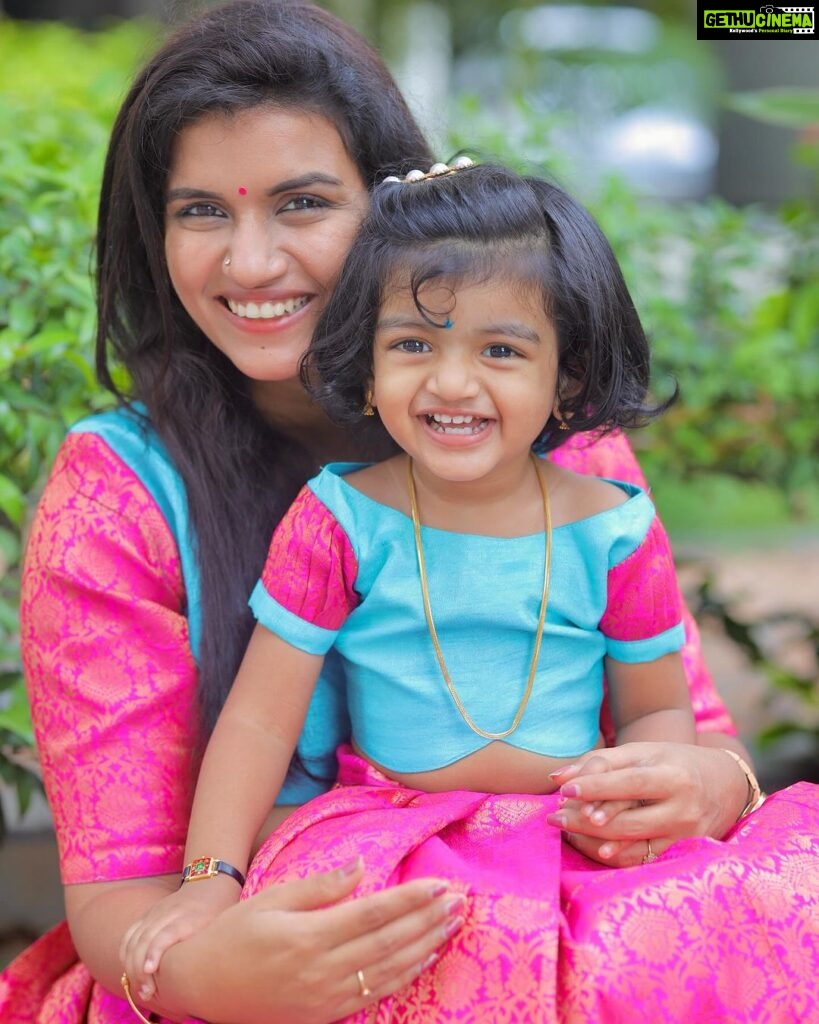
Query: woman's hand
[618, 798]
[292, 953]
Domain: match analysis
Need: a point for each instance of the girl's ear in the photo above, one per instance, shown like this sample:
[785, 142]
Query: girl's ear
[562, 424]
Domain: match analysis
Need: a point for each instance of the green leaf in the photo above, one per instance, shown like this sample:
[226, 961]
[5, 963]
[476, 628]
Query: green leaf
[792, 108]
[15, 716]
[12, 500]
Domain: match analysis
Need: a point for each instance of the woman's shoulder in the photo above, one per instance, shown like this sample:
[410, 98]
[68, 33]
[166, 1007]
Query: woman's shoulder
[127, 432]
[601, 455]
[88, 465]
[92, 480]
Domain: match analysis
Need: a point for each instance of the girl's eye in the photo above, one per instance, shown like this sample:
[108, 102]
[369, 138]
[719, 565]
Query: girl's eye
[413, 345]
[201, 210]
[303, 203]
[500, 351]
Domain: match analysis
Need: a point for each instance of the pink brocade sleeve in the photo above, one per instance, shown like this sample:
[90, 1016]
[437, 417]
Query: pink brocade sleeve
[643, 599]
[109, 670]
[611, 456]
[311, 567]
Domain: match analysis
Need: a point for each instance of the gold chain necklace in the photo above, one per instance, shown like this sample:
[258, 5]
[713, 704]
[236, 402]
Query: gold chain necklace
[544, 601]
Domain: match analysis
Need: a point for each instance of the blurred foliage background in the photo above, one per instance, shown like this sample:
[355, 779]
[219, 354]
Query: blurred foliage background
[729, 293]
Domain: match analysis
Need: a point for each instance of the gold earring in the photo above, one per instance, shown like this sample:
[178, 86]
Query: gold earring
[369, 409]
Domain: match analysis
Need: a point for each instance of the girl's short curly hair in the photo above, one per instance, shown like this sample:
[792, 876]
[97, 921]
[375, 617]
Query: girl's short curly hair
[470, 225]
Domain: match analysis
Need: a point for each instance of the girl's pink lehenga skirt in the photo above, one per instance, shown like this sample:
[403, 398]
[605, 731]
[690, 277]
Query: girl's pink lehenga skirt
[718, 932]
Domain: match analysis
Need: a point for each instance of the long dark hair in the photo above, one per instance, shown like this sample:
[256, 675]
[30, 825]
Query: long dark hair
[469, 225]
[240, 473]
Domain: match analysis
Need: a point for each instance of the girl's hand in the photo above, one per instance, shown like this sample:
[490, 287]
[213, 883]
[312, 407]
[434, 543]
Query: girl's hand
[171, 920]
[292, 952]
[619, 798]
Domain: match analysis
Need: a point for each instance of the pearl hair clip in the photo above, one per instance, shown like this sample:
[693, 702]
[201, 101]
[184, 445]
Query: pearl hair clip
[436, 171]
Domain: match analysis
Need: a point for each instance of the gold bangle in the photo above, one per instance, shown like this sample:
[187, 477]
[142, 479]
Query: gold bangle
[755, 795]
[126, 985]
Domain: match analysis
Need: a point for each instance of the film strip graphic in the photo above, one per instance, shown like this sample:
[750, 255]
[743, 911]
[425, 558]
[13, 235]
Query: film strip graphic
[799, 10]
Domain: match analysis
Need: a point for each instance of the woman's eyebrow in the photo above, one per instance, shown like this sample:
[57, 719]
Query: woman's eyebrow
[289, 185]
[304, 181]
[189, 193]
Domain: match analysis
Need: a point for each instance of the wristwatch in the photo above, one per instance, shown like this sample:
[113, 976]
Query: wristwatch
[210, 867]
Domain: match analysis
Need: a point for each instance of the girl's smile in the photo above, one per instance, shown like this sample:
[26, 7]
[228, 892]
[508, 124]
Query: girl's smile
[466, 401]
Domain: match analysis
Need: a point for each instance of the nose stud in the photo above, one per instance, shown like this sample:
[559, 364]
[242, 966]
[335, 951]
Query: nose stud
[226, 261]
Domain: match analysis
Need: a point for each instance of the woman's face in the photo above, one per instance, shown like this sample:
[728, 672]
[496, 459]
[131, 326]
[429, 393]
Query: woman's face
[261, 209]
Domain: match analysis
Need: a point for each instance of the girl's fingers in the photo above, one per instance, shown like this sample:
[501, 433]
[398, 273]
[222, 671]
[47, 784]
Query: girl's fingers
[630, 822]
[603, 812]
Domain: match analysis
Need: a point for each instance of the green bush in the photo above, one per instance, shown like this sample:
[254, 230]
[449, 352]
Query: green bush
[60, 90]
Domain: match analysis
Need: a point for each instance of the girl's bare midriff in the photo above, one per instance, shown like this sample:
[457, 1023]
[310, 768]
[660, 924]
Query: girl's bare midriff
[498, 767]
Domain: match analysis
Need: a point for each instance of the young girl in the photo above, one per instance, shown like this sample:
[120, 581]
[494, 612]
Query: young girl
[476, 592]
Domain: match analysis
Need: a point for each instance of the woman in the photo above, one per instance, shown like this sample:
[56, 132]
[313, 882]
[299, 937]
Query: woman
[236, 177]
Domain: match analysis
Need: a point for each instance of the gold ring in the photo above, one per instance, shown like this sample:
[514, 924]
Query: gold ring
[650, 856]
[362, 985]
[126, 985]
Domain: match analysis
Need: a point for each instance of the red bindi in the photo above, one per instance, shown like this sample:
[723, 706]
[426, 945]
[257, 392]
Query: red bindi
[242, 190]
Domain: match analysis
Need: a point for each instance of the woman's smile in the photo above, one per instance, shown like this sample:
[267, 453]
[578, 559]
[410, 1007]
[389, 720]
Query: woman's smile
[255, 235]
[266, 310]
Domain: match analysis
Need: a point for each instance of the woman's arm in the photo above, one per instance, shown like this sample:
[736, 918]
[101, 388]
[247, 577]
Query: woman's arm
[289, 953]
[112, 684]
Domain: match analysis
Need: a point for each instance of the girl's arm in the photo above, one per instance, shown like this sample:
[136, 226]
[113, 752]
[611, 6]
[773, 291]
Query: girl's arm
[612, 456]
[650, 704]
[650, 701]
[250, 749]
[243, 769]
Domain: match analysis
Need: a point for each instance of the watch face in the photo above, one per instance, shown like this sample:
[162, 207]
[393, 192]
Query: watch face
[205, 867]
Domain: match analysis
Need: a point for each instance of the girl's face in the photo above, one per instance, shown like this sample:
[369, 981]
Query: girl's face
[466, 401]
[261, 209]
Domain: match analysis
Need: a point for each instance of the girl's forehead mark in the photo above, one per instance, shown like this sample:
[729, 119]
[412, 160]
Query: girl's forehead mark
[242, 190]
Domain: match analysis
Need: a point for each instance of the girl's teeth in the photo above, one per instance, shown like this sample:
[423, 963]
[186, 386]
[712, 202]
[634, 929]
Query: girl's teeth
[443, 418]
[266, 310]
[455, 424]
